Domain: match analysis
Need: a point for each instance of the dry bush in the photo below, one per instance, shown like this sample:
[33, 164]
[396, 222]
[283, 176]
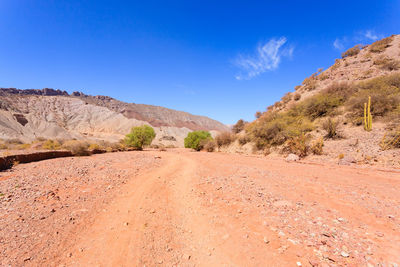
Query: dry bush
[77, 148]
[239, 126]
[23, 146]
[330, 126]
[209, 145]
[386, 63]
[224, 139]
[381, 45]
[297, 87]
[391, 140]
[297, 97]
[13, 141]
[310, 83]
[243, 140]
[258, 114]
[51, 145]
[286, 98]
[352, 51]
[298, 145]
[317, 146]
[94, 146]
[341, 156]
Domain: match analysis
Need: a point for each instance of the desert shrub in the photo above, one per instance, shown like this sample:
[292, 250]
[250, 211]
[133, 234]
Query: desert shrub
[209, 145]
[286, 98]
[140, 136]
[298, 145]
[384, 92]
[310, 83]
[321, 105]
[258, 114]
[3, 146]
[13, 141]
[317, 146]
[297, 97]
[51, 145]
[224, 139]
[276, 128]
[77, 148]
[239, 126]
[387, 63]
[94, 146]
[391, 140]
[243, 140]
[195, 139]
[297, 87]
[381, 45]
[341, 156]
[352, 51]
[23, 146]
[40, 139]
[330, 126]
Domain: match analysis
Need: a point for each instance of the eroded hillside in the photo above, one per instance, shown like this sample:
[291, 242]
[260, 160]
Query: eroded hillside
[51, 114]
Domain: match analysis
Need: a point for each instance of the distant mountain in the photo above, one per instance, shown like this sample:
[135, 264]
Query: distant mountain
[48, 113]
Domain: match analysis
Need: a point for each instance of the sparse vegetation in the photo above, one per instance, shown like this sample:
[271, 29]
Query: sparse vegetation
[51, 145]
[391, 140]
[330, 126]
[317, 146]
[298, 145]
[140, 136]
[77, 148]
[239, 126]
[197, 139]
[386, 63]
[381, 45]
[352, 51]
[209, 145]
[297, 97]
[224, 139]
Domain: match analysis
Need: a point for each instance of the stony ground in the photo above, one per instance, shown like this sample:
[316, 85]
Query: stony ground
[181, 208]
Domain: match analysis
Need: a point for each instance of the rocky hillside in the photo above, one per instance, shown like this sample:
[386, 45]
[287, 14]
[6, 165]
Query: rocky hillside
[324, 117]
[48, 113]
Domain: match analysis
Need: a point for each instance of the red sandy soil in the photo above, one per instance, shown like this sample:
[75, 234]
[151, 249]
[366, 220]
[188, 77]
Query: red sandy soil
[181, 208]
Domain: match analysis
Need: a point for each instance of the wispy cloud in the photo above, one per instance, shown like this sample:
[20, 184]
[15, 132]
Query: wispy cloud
[267, 57]
[338, 44]
[361, 37]
[371, 35]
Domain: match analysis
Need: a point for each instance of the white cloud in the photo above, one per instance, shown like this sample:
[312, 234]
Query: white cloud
[338, 44]
[267, 58]
[370, 35]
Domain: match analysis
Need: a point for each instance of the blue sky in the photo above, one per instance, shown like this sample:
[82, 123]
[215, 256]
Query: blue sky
[222, 59]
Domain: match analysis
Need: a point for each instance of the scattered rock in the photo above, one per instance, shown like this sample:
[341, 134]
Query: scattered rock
[292, 158]
[344, 254]
[266, 241]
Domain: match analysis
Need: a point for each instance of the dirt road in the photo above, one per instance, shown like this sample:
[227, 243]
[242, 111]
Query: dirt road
[181, 208]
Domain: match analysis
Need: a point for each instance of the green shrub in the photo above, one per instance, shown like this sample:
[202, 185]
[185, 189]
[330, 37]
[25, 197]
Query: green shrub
[384, 92]
[321, 105]
[195, 139]
[140, 136]
[381, 45]
[276, 128]
[224, 139]
[352, 51]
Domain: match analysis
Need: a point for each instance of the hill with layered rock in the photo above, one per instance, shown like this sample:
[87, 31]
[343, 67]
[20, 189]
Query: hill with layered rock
[54, 114]
[324, 116]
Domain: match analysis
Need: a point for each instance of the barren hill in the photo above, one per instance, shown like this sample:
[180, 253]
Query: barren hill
[49, 113]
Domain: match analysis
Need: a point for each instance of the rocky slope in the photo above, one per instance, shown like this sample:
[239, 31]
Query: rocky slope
[337, 94]
[48, 113]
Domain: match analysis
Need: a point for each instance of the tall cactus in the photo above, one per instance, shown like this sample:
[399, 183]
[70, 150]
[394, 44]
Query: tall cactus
[367, 115]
